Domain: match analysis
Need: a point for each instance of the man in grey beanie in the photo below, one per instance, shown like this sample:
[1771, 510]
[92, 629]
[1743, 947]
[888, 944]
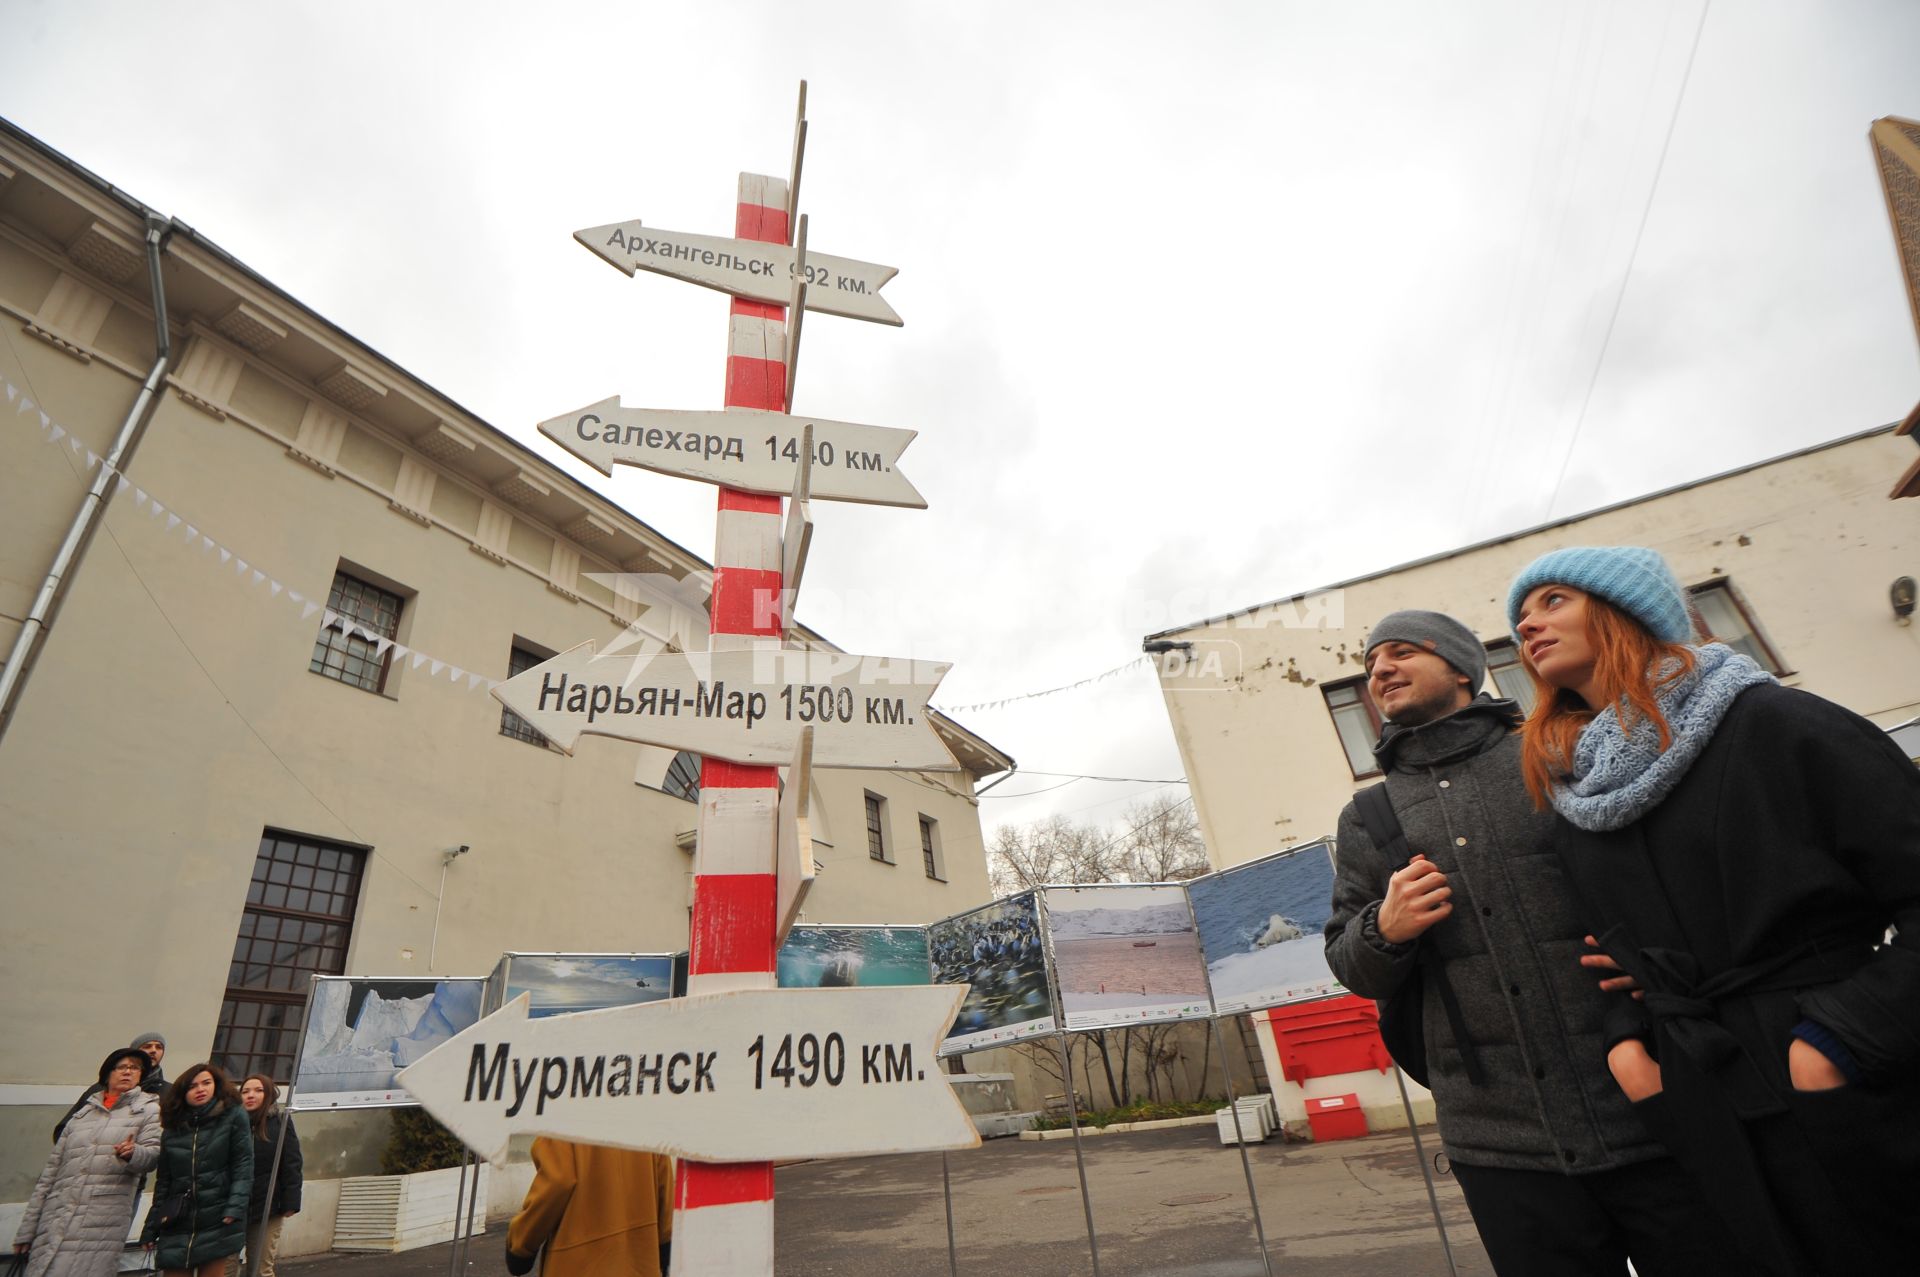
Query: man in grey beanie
[1560, 1174]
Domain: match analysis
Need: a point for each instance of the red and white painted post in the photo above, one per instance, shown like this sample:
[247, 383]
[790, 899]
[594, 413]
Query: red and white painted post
[723, 1213]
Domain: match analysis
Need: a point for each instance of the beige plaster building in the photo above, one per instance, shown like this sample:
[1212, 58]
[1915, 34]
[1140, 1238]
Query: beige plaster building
[1792, 559]
[208, 792]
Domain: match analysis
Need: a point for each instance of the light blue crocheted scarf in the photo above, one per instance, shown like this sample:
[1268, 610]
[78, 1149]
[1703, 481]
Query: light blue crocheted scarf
[1620, 776]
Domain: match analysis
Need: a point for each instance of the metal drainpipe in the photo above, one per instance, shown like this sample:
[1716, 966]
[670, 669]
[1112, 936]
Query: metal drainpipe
[93, 507]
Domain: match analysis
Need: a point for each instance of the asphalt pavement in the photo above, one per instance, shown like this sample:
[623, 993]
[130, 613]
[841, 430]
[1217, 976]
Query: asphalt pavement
[1168, 1203]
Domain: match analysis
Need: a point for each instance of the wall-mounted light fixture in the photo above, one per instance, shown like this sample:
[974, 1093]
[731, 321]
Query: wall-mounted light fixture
[1901, 595]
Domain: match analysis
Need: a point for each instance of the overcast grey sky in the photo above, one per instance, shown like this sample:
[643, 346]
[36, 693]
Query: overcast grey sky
[1205, 304]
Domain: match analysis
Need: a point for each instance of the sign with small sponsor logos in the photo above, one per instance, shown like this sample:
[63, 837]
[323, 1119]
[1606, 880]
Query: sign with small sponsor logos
[750, 268]
[739, 448]
[746, 707]
[744, 1076]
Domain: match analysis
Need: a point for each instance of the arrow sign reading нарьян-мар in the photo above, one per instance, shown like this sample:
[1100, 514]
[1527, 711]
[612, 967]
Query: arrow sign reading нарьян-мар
[746, 707]
[751, 451]
[752, 1075]
[747, 268]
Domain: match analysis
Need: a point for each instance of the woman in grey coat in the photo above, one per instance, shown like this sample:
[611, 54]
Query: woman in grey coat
[77, 1220]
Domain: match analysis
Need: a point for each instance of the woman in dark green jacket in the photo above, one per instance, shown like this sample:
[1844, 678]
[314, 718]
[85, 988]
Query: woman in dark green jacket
[199, 1216]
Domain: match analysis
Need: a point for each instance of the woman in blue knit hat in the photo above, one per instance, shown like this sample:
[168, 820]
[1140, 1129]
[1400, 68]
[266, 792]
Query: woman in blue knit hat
[1741, 849]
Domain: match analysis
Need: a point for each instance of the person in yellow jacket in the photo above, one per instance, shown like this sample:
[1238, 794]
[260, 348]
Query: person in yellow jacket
[600, 1212]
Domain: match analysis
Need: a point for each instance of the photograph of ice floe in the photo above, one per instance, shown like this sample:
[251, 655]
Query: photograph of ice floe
[1125, 954]
[1260, 926]
[561, 983]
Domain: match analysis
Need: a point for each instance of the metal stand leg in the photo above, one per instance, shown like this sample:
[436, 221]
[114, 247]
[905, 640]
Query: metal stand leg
[1426, 1171]
[258, 1244]
[459, 1200]
[1226, 1071]
[946, 1188]
[473, 1204]
[1079, 1158]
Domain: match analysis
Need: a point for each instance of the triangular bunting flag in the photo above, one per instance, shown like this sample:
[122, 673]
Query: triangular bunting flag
[274, 588]
[192, 532]
[418, 657]
[59, 433]
[208, 543]
[93, 458]
[309, 609]
[401, 650]
[258, 576]
[12, 394]
[120, 485]
[455, 673]
[240, 567]
[328, 617]
[437, 666]
[296, 596]
[380, 645]
[25, 404]
[173, 521]
[474, 680]
[225, 554]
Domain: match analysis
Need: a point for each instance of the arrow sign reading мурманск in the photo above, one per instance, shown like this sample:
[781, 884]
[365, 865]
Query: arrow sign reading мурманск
[751, 451]
[753, 1075]
[747, 268]
[746, 707]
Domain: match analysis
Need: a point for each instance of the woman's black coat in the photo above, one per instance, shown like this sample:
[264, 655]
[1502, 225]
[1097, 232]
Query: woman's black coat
[1756, 895]
[286, 1185]
[208, 1157]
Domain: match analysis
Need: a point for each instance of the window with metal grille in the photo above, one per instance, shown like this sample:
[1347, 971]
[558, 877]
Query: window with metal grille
[519, 661]
[927, 852]
[1356, 721]
[298, 919]
[877, 827]
[1510, 678]
[354, 657]
[1720, 615]
[683, 776]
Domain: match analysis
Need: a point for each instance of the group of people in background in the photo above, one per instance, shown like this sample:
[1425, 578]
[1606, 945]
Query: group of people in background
[210, 1149]
[1661, 935]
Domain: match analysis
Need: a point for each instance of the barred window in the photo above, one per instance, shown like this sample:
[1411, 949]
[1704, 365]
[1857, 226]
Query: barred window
[298, 920]
[354, 657]
[521, 659]
[1356, 721]
[1720, 615]
[683, 776]
[877, 827]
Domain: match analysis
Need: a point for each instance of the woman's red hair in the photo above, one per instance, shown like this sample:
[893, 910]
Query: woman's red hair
[1626, 667]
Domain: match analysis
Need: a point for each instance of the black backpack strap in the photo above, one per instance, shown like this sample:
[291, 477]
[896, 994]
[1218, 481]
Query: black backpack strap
[1383, 827]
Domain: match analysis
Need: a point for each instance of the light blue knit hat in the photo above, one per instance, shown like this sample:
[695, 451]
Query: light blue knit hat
[1635, 580]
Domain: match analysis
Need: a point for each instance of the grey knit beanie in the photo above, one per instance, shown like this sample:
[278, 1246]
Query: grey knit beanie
[1635, 580]
[1440, 634]
[145, 1038]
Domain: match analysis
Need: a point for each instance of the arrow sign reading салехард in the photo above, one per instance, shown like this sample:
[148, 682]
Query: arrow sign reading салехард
[751, 451]
[754, 1075]
[746, 707]
[747, 268]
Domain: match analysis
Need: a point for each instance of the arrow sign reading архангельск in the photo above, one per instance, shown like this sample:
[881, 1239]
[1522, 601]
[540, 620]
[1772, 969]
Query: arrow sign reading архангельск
[746, 706]
[752, 1075]
[747, 268]
[751, 451]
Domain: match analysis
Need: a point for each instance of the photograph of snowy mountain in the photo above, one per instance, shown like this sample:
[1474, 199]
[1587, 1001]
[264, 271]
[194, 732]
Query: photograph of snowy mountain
[360, 1033]
[1125, 954]
[1260, 927]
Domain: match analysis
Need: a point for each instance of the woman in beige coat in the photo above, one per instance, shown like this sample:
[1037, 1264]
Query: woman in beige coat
[77, 1220]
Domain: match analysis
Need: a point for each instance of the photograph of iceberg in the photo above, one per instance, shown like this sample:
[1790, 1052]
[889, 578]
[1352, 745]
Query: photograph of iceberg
[1125, 954]
[361, 1033]
[1260, 927]
[560, 983]
[998, 950]
[850, 957]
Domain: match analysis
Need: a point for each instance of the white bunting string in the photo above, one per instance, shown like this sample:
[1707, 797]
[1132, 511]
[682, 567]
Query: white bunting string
[190, 536]
[1115, 672]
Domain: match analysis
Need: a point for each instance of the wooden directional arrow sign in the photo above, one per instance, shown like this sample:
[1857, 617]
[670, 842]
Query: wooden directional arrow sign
[737, 448]
[749, 1076]
[746, 707]
[747, 268]
[793, 852]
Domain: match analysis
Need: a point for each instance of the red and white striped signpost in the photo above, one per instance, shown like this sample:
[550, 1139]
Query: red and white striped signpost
[723, 1220]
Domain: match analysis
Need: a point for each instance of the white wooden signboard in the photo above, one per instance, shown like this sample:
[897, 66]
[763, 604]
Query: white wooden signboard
[747, 707]
[745, 1076]
[747, 268]
[740, 448]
